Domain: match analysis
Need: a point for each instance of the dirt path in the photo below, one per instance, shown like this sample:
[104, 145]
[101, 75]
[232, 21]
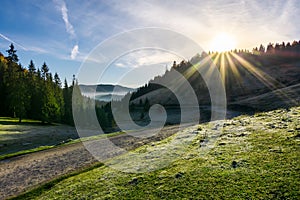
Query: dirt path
[21, 173]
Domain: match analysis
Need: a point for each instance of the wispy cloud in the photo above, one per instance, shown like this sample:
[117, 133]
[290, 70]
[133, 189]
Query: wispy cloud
[69, 27]
[74, 52]
[64, 13]
[143, 58]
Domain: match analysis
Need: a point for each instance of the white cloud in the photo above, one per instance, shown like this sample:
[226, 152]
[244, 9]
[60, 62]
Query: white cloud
[69, 26]
[61, 4]
[74, 52]
[156, 58]
[120, 64]
[64, 12]
[144, 58]
[248, 21]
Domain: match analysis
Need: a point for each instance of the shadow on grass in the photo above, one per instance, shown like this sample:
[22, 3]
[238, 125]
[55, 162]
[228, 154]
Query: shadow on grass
[25, 122]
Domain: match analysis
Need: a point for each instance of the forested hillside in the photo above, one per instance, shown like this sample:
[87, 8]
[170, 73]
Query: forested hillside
[244, 74]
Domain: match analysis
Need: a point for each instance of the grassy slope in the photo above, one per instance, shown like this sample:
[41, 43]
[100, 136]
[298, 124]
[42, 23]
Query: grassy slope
[255, 157]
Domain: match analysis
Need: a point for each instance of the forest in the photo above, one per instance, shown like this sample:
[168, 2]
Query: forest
[35, 93]
[32, 92]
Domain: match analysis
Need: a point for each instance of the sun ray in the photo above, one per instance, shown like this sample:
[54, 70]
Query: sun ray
[214, 62]
[204, 63]
[233, 67]
[223, 68]
[262, 76]
[267, 80]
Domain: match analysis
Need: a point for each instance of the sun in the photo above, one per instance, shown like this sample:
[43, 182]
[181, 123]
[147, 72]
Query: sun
[223, 42]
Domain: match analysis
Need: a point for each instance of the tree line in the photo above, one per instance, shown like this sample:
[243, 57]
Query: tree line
[288, 47]
[35, 93]
[32, 92]
[271, 48]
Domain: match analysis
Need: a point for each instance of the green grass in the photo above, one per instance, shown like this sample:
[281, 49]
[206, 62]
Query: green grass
[96, 137]
[10, 155]
[26, 137]
[41, 148]
[254, 157]
[14, 121]
[32, 136]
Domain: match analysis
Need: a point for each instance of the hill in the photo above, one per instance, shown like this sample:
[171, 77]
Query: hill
[252, 157]
[245, 76]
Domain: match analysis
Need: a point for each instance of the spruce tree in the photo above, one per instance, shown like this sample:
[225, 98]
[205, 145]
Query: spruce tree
[12, 56]
[31, 67]
[44, 71]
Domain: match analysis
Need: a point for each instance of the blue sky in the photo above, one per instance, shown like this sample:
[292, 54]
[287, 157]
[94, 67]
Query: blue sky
[62, 32]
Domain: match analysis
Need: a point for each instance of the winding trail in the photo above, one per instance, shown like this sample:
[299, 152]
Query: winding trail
[22, 173]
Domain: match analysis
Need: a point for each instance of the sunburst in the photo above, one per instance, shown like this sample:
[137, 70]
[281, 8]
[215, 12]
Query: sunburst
[223, 42]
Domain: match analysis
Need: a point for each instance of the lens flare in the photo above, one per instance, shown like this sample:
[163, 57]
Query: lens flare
[223, 42]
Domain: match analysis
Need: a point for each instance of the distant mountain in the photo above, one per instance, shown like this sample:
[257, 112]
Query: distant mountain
[105, 88]
[105, 92]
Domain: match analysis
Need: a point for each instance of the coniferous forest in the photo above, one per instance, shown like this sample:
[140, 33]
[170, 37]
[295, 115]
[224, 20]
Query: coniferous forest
[34, 92]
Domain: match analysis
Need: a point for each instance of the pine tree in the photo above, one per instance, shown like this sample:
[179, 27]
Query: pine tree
[50, 108]
[270, 48]
[3, 88]
[262, 49]
[17, 97]
[102, 118]
[67, 96]
[12, 56]
[36, 95]
[58, 93]
[57, 80]
[77, 99]
[20, 99]
[31, 67]
[44, 71]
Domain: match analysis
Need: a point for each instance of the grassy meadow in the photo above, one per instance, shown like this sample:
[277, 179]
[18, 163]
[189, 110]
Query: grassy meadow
[253, 157]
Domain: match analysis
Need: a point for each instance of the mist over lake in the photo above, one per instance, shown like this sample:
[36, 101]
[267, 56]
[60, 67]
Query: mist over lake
[105, 96]
[104, 92]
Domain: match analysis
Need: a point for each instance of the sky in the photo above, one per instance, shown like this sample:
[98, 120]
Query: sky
[63, 33]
